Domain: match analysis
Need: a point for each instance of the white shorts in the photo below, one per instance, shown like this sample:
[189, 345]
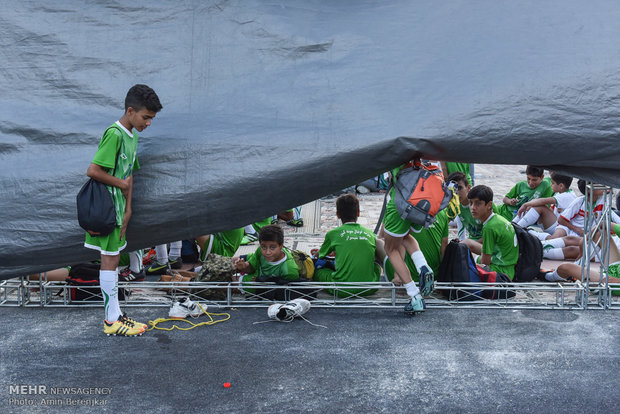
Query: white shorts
[568, 231]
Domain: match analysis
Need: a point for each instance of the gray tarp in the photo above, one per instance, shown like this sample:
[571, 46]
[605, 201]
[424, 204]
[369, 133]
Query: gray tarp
[271, 104]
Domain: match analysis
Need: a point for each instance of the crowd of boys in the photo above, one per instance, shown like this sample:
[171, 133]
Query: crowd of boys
[407, 254]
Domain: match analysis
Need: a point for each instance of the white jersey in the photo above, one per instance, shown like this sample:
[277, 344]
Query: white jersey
[575, 212]
[562, 201]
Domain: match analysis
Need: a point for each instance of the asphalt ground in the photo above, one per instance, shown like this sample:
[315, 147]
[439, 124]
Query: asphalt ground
[462, 360]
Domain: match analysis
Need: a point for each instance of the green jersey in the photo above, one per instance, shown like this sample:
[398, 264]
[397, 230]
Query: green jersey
[500, 241]
[430, 241]
[354, 245]
[467, 222]
[118, 137]
[524, 193]
[285, 268]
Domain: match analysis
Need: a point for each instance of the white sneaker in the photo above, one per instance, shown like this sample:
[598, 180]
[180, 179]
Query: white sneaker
[286, 312]
[182, 310]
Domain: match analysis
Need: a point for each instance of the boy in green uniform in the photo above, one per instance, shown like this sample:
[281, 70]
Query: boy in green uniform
[534, 187]
[432, 241]
[500, 248]
[396, 238]
[271, 258]
[141, 106]
[354, 246]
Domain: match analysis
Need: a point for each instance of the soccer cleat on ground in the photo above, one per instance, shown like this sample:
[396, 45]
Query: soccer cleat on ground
[129, 275]
[286, 312]
[416, 305]
[175, 263]
[137, 324]
[296, 222]
[156, 268]
[122, 327]
[427, 281]
[186, 308]
[248, 238]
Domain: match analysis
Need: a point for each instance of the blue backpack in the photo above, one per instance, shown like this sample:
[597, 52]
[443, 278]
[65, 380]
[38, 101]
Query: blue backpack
[458, 266]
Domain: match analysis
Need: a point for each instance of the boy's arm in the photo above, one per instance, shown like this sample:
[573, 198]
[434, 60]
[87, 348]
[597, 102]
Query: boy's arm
[564, 222]
[242, 266]
[326, 247]
[97, 172]
[128, 211]
[511, 198]
[485, 259]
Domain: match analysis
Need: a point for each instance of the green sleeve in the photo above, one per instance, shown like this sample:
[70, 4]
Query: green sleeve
[513, 191]
[326, 247]
[253, 259]
[548, 192]
[108, 147]
[292, 271]
[488, 241]
[136, 164]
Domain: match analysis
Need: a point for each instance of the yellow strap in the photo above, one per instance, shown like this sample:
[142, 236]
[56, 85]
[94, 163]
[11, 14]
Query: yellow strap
[211, 321]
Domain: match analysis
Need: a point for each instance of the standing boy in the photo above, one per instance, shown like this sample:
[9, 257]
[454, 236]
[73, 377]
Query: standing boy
[141, 106]
[500, 248]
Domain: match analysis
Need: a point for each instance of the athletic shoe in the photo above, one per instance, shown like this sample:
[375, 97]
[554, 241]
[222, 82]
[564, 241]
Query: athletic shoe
[296, 222]
[175, 263]
[186, 308]
[248, 238]
[122, 327]
[416, 305]
[149, 257]
[129, 275]
[362, 189]
[136, 323]
[427, 281]
[286, 312]
[157, 268]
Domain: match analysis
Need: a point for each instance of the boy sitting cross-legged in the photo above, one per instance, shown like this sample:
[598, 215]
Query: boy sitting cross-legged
[271, 258]
[500, 248]
[354, 246]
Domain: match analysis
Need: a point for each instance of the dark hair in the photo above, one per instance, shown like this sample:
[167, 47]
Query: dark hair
[141, 96]
[535, 171]
[271, 232]
[481, 192]
[562, 179]
[457, 176]
[581, 185]
[347, 207]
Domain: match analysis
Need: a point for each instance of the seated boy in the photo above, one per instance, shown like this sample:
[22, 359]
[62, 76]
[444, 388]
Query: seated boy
[469, 228]
[500, 248]
[354, 246]
[534, 187]
[271, 258]
[546, 211]
[432, 242]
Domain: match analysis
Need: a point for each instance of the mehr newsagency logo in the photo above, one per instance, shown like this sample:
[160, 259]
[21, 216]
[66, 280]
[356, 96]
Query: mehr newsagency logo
[44, 395]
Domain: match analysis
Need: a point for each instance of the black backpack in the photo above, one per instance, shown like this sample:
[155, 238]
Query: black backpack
[457, 266]
[530, 255]
[84, 280]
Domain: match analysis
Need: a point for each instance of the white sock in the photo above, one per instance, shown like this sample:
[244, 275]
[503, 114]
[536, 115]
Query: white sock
[529, 218]
[135, 261]
[175, 249]
[551, 228]
[297, 213]
[412, 289]
[539, 235]
[554, 277]
[554, 254]
[554, 243]
[249, 229]
[161, 250]
[419, 260]
[108, 279]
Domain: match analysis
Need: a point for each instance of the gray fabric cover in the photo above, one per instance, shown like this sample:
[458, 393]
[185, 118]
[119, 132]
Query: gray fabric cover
[268, 105]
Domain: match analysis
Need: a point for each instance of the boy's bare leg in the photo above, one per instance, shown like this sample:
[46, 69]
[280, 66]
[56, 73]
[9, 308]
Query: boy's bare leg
[547, 217]
[393, 250]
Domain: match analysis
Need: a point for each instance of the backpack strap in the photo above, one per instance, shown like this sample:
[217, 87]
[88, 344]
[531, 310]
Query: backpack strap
[380, 220]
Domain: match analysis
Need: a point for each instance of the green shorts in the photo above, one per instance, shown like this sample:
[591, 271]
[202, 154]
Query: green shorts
[394, 225]
[109, 245]
[216, 245]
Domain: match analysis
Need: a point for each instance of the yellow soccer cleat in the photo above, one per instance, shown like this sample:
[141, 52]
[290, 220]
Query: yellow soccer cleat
[139, 325]
[122, 327]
